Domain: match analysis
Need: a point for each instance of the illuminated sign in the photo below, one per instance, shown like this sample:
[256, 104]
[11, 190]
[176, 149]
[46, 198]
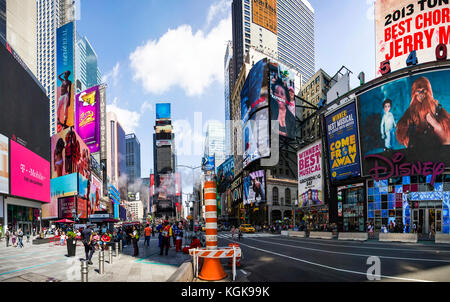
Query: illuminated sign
[265, 14]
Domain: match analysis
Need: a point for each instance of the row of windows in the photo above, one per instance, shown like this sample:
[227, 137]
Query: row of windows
[287, 196]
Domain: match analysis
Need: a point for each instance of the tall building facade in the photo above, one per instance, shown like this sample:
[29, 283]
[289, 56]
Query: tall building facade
[215, 141]
[228, 89]
[282, 29]
[3, 18]
[133, 157]
[87, 72]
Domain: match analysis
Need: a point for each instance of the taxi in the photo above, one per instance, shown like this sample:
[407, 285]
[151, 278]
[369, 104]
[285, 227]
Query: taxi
[247, 228]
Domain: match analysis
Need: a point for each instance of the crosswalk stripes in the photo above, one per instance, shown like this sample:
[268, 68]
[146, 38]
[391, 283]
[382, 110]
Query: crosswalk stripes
[250, 235]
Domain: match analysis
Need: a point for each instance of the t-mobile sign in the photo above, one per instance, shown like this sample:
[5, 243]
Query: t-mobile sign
[30, 174]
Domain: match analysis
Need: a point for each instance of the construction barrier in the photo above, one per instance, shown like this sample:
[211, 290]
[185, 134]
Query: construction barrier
[353, 236]
[238, 259]
[301, 234]
[442, 238]
[398, 237]
[321, 235]
[215, 255]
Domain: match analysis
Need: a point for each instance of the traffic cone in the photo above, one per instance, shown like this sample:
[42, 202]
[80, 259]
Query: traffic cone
[212, 270]
[238, 259]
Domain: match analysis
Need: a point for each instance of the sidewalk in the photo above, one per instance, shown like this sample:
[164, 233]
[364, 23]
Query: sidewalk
[47, 263]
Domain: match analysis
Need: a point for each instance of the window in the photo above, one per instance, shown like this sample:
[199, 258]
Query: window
[287, 194]
[275, 196]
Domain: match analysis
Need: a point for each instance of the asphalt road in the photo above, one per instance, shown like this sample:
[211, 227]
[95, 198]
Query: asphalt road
[275, 258]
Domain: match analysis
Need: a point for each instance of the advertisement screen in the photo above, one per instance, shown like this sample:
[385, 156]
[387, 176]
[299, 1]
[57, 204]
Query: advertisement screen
[208, 163]
[166, 186]
[87, 116]
[30, 174]
[254, 93]
[65, 76]
[66, 206]
[310, 177]
[282, 98]
[27, 118]
[255, 188]
[236, 190]
[64, 186]
[177, 184]
[163, 129]
[96, 187]
[256, 137]
[408, 116]
[403, 26]
[69, 154]
[225, 175]
[82, 209]
[4, 162]
[163, 111]
[343, 145]
[265, 14]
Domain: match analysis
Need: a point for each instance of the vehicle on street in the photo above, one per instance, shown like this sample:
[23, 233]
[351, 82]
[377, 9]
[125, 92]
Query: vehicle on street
[247, 228]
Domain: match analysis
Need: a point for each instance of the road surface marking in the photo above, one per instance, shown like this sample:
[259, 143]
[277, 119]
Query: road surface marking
[243, 271]
[31, 267]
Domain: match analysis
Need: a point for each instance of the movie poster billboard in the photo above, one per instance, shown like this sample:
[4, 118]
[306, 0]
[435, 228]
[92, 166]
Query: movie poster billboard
[96, 187]
[163, 111]
[87, 115]
[255, 92]
[64, 186]
[82, 209]
[255, 188]
[265, 14]
[256, 142]
[65, 76]
[282, 99]
[225, 174]
[343, 143]
[30, 174]
[69, 154]
[310, 175]
[403, 26]
[4, 163]
[406, 120]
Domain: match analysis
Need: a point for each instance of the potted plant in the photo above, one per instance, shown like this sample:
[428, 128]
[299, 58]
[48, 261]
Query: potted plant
[71, 244]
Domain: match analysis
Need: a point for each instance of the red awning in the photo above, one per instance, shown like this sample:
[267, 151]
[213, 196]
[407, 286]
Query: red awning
[111, 220]
[64, 221]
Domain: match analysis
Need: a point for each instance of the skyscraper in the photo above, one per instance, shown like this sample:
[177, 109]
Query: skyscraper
[283, 29]
[133, 157]
[215, 141]
[3, 18]
[228, 89]
[86, 66]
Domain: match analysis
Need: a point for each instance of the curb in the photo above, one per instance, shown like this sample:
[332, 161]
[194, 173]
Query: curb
[185, 273]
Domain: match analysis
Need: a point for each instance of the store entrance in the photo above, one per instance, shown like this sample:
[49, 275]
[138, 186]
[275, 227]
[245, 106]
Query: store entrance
[427, 218]
[25, 226]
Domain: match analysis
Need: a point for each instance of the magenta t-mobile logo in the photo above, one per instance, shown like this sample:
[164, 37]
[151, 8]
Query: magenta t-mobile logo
[22, 167]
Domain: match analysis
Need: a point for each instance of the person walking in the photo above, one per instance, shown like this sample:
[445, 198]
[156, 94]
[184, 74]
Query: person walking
[135, 237]
[20, 237]
[153, 230]
[179, 237]
[239, 234]
[13, 238]
[147, 233]
[89, 245]
[233, 230]
[7, 235]
[166, 234]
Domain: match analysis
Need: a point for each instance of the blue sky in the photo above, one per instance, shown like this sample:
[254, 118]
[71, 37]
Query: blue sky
[152, 51]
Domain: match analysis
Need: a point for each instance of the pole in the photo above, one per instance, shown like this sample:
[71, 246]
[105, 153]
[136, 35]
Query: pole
[116, 248]
[120, 246]
[84, 271]
[110, 255]
[101, 262]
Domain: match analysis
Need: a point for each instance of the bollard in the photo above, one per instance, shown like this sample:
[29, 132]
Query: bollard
[120, 246]
[101, 262]
[110, 256]
[84, 271]
[116, 248]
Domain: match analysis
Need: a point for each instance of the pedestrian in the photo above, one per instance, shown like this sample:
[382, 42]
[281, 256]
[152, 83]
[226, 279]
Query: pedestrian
[179, 237]
[232, 232]
[194, 244]
[20, 237]
[160, 237]
[239, 234]
[7, 235]
[135, 237]
[104, 241]
[62, 238]
[166, 234]
[147, 233]
[13, 238]
[89, 244]
[28, 237]
[153, 230]
[174, 234]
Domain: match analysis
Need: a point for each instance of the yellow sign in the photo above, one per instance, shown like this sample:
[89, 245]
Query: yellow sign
[89, 98]
[265, 14]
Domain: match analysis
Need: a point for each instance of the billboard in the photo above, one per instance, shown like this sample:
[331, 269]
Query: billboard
[30, 174]
[177, 184]
[404, 26]
[256, 143]
[96, 187]
[225, 175]
[69, 154]
[66, 206]
[102, 93]
[82, 210]
[255, 188]
[65, 76]
[4, 163]
[310, 175]
[208, 163]
[343, 143]
[265, 14]
[25, 107]
[282, 98]
[407, 116]
[64, 186]
[254, 93]
[87, 115]
[163, 129]
[163, 111]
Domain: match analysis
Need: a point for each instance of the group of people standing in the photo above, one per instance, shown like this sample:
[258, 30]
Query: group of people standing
[167, 231]
[16, 238]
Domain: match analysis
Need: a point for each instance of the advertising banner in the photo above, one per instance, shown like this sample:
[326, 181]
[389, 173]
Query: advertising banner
[404, 26]
[406, 120]
[177, 184]
[82, 210]
[87, 116]
[66, 206]
[102, 92]
[161, 143]
[343, 143]
[236, 190]
[30, 174]
[64, 186]
[265, 14]
[225, 175]
[96, 187]
[69, 154]
[163, 111]
[310, 175]
[256, 137]
[208, 163]
[255, 92]
[65, 76]
[282, 98]
[163, 129]
[4, 162]
[255, 188]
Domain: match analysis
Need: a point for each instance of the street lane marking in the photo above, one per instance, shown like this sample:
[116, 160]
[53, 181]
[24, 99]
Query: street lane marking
[352, 254]
[245, 273]
[31, 267]
[333, 268]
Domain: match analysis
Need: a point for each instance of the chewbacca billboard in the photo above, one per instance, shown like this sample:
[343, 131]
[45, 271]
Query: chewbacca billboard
[407, 121]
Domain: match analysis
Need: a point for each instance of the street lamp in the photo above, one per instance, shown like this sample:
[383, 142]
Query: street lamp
[192, 168]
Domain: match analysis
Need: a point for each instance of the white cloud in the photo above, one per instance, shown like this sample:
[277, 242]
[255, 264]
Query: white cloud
[218, 9]
[191, 61]
[129, 120]
[113, 75]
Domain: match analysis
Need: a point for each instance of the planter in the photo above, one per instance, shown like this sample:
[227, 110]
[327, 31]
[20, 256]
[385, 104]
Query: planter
[71, 247]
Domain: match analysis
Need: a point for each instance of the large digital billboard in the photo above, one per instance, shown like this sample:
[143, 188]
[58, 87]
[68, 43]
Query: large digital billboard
[96, 187]
[282, 99]
[163, 111]
[255, 188]
[64, 186]
[30, 174]
[4, 163]
[343, 143]
[310, 175]
[225, 175]
[25, 116]
[66, 206]
[404, 26]
[407, 116]
[255, 92]
[256, 142]
[87, 116]
[265, 14]
[65, 76]
[69, 154]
